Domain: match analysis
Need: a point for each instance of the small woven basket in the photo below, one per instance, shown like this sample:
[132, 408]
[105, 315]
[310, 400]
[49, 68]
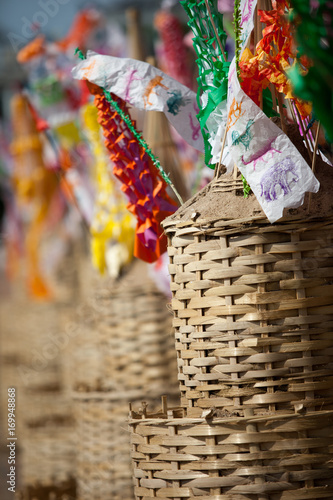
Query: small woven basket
[124, 352]
[282, 457]
[253, 306]
[125, 340]
[140, 352]
[103, 468]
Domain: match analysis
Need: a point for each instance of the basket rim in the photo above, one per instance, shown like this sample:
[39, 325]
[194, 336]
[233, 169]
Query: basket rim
[172, 222]
[258, 223]
[176, 420]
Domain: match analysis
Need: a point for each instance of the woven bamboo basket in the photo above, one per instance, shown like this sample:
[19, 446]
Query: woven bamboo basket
[103, 468]
[11, 326]
[26, 329]
[252, 302]
[140, 353]
[281, 457]
[124, 352]
[65, 280]
[125, 339]
[48, 453]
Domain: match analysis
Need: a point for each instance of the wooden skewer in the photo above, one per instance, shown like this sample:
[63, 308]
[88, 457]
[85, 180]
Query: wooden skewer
[164, 405]
[235, 172]
[315, 149]
[261, 102]
[309, 137]
[217, 173]
[292, 110]
[215, 30]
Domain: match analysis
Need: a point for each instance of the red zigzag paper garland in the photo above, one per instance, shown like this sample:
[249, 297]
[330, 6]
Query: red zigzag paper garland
[141, 182]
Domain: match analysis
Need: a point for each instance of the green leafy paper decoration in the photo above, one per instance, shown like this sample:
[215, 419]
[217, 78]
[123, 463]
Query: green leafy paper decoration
[213, 69]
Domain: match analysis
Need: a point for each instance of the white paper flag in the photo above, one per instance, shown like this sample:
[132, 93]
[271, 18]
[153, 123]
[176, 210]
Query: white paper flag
[145, 87]
[273, 167]
[217, 121]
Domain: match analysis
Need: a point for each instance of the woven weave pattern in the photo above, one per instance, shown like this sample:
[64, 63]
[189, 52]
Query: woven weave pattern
[253, 306]
[276, 458]
[48, 454]
[102, 445]
[125, 340]
[139, 348]
[129, 346]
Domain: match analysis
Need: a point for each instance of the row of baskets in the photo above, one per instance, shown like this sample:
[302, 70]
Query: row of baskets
[79, 367]
[253, 322]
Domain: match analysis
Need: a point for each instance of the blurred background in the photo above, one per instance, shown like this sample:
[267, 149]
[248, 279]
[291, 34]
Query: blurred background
[79, 338]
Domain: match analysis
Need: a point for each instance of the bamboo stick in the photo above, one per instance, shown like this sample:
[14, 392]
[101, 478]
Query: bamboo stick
[292, 111]
[135, 39]
[235, 172]
[215, 30]
[217, 171]
[156, 131]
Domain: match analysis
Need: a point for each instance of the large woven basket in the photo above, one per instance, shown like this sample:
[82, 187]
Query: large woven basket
[103, 468]
[282, 457]
[253, 306]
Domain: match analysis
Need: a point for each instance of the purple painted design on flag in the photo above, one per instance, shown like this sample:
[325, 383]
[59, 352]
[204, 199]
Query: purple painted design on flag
[130, 80]
[247, 11]
[277, 175]
[195, 129]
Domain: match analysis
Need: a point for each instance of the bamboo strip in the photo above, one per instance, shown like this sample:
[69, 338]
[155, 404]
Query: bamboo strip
[195, 450]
